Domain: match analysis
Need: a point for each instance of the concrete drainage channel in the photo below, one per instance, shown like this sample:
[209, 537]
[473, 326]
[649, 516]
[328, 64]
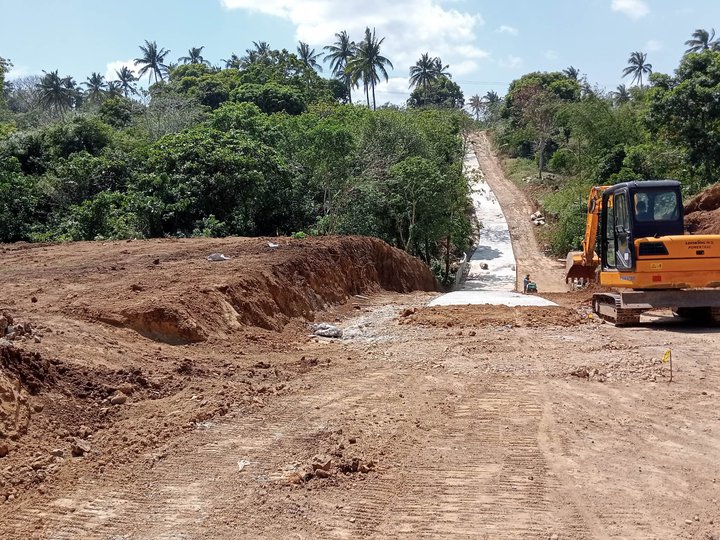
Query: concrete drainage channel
[492, 267]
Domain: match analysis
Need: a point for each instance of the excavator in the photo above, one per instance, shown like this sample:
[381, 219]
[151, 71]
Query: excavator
[635, 245]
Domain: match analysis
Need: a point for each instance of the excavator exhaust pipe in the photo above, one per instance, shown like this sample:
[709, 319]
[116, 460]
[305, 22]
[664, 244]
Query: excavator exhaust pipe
[575, 269]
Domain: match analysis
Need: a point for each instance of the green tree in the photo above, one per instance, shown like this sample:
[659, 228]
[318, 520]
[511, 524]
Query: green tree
[423, 72]
[476, 105]
[637, 67]
[308, 56]
[96, 86]
[57, 93]
[339, 54]
[270, 97]
[194, 57]
[126, 80]
[152, 60]
[5, 66]
[572, 73]
[702, 40]
[688, 112]
[368, 64]
[621, 94]
[441, 92]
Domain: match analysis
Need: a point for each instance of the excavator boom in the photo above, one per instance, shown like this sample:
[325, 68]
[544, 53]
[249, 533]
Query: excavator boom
[582, 264]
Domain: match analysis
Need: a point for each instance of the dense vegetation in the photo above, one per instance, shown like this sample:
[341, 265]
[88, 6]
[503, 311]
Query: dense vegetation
[262, 146]
[666, 126]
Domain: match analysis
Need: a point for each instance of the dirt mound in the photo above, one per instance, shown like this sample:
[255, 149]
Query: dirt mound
[482, 316]
[702, 213]
[27, 367]
[259, 286]
[701, 222]
[705, 201]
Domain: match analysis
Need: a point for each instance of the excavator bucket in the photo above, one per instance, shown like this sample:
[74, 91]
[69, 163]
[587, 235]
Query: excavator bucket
[576, 269]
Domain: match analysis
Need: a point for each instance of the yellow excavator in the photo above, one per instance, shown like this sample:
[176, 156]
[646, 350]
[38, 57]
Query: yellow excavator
[644, 255]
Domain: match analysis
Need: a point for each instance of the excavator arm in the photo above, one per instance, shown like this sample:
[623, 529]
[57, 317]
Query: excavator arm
[582, 264]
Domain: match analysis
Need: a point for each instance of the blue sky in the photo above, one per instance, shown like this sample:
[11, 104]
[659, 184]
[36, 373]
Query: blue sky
[486, 43]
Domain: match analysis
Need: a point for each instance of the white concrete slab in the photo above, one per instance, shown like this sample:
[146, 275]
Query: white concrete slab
[492, 298]
[492, 267]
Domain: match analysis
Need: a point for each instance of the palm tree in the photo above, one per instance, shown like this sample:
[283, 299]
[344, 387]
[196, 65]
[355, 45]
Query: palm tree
[492, 98]
[234, 62]
[702, 40]
[427, 70]
[572, 73]
[423, 72]
[440, 68]
[194, 56]
[621, 95]
[476, 105]
[368, 62]
[260, 53]
[114, 89]
[308, 56]
[55, 92]
[339, 54]
[126, 80]
[95, 87]
[637, 67]
[152, 60]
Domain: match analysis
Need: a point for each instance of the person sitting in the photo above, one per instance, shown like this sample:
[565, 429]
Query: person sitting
[641, 212]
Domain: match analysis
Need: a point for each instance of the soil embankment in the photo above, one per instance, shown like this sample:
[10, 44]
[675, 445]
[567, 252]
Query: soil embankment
[702, 213]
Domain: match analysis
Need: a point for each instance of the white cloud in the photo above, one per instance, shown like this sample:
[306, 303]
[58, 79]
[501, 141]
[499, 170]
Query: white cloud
[653, 45]
[117, 65]
[511, 62]
[505, 29]
[410, 27]
[635, 9]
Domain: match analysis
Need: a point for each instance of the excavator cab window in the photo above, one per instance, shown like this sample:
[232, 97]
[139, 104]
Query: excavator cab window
[657, 212]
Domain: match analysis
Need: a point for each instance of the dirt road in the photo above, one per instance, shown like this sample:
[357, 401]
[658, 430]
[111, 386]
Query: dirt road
[546, 272]
[462, 422]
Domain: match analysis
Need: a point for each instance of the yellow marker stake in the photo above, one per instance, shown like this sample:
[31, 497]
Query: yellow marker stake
[667, 357]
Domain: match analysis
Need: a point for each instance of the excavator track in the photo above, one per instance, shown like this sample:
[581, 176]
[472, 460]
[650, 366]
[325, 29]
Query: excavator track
[608, 306]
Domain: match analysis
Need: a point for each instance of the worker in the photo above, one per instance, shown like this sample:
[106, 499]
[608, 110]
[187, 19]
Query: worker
[526, 282]
[641, 211]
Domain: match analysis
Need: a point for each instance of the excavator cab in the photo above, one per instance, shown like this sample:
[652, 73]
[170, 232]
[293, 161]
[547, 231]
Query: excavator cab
[632, 210]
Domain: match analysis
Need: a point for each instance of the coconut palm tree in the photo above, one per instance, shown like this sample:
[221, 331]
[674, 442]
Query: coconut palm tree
[440, 68]
[637, 67]
[96, 86]
[55, 92]
[127, 79]
[339, 54]
[369, 64]
[308, 56]
[492, 98]
[152, 60]
[423, 72]
[621, 95]
[234, 62]
[572, 73]
[194, 56]
[476, 105]
[701, 40]
[114, 89]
